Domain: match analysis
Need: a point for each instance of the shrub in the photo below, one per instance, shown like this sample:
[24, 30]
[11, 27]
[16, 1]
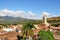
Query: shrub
[45, 35]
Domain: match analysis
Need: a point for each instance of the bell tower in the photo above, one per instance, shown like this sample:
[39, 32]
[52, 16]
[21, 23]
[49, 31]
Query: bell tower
[44, 19]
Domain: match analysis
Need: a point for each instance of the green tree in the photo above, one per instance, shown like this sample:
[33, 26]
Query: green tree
[45, 35]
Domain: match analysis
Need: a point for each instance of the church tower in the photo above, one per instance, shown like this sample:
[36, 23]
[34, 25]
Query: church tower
[44, 19]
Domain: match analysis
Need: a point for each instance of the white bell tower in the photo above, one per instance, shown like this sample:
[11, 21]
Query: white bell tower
[45, 18]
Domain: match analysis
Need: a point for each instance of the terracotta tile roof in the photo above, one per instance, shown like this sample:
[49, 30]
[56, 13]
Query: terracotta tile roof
[9, 35]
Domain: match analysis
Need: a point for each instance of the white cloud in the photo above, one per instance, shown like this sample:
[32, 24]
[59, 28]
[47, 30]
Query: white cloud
[23, 14]
[32, 14]
[45, 13]
[49, 15]
[54, 15]
[6, 12]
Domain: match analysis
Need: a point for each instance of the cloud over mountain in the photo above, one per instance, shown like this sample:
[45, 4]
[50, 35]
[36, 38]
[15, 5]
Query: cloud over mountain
[23, 14]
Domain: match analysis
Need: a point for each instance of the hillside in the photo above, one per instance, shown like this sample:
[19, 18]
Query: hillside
[13, 20]
[54, 21]
[54, 18]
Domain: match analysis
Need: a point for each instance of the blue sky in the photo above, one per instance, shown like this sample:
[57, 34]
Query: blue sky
[35, 7]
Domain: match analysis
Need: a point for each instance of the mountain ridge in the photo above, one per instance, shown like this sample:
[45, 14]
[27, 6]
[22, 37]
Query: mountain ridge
[8, 19]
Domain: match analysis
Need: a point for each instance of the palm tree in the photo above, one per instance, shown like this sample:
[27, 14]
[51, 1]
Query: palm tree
[27, 29]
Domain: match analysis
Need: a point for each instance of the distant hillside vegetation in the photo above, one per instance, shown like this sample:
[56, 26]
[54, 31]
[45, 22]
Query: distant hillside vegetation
[54, 21]
[54, 18]
[13, 20]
